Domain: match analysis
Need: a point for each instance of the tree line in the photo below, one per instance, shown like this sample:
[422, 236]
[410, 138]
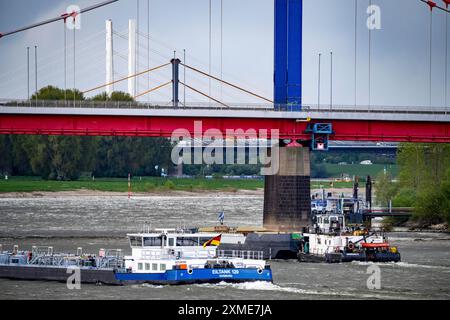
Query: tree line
[423, 182]
[68, 157]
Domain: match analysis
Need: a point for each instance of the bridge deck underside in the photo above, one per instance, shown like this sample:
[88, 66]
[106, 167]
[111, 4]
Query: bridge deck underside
[160, 126]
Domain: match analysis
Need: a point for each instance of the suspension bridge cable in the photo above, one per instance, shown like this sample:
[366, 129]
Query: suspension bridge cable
[153, 89]
[49, 76]
[136, 53]
[61, 17]
[191, 57]
[148, 41]
[56, 57]
[447, 3]
[204, 94]
[221, 48]
[356, 48]
[210, 41]
[433, 4]
[160, 93]
[165, 56]
[227, 83]
[65, 61]
[74, 60]
[128, 77]
[370, 61]
[431, 55]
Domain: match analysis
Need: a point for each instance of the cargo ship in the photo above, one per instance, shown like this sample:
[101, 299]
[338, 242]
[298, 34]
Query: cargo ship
[161, 256]
[338, 232]
[272, 244]
[330, 240]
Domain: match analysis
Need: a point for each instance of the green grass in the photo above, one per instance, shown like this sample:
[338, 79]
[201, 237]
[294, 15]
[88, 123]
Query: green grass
[335, 170]
[147, 184]
[326, 185]
[155, 184]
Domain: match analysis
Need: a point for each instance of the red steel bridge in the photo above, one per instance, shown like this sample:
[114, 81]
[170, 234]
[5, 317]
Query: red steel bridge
[287, 191]
[293, 119]
[138, 119]
[109, 118]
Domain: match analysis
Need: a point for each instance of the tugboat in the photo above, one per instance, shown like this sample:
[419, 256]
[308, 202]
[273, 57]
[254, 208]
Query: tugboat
[162, 256]
[333, 242]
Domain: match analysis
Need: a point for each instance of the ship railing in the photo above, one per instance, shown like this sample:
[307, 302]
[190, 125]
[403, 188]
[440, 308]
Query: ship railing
[111, 262]
[242, 254]
[155, 255]
[331, 248]
[178, 254]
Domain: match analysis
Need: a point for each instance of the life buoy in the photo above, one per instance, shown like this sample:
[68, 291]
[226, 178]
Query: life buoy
[351, 245]
[260, 270]
[189, 271]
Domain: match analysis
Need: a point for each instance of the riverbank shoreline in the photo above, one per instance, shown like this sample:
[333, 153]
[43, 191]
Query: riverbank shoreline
[155, 193]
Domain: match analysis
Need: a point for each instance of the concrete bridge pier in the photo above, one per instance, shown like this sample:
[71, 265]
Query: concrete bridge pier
[287, 193]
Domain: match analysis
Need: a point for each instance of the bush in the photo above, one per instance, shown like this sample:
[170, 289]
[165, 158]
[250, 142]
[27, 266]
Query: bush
[431, 207]
[404, 198]
[169, 185]
[390, 222]
[385, 189]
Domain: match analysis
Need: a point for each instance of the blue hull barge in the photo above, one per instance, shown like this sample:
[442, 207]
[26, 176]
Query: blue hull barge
[163, 256]
[197, 276]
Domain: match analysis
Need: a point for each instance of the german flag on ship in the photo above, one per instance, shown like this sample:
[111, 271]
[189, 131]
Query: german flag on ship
[213, 242]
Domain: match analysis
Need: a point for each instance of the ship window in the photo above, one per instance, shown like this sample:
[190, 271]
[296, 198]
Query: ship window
[203, 240]
[140, 266]
[154, 266]
[318, 241]
[152, 241]
[171, 242]
[325, 220]
[187, 241]
[136, 241]
[163, 267]
[147, 266]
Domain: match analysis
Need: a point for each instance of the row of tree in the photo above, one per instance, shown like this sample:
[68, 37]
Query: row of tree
[423, 182]
[67, 157]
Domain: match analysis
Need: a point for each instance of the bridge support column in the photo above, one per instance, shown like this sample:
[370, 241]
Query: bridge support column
[287, 194]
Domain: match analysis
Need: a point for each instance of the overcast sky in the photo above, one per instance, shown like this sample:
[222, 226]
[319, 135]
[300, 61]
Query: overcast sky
[400, 50]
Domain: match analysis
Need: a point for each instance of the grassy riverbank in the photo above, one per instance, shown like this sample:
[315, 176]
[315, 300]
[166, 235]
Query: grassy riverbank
[336, 170]
[145, 184]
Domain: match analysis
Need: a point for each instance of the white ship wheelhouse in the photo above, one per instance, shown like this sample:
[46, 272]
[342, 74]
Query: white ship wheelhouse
[166, 249]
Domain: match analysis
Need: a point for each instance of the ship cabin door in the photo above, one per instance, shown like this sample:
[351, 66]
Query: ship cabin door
[304, 245]
[170, 242]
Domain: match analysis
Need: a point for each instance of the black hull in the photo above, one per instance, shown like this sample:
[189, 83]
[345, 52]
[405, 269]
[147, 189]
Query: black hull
[43, 273]
[274, 246]
[91, 276]
[348, 257]
[310, 258]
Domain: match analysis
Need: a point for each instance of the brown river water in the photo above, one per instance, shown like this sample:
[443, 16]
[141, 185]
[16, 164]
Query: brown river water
[93, 222]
